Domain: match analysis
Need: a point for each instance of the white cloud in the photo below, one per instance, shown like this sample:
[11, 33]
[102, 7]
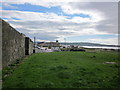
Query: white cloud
[51, 2]
[51, 24]
[54, 27]
[8, 6]
[108, 41]
[24, 15]
[39, 40]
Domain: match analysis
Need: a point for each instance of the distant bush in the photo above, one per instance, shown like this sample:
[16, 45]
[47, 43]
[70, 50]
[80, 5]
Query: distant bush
[72, 49]
[77, 49]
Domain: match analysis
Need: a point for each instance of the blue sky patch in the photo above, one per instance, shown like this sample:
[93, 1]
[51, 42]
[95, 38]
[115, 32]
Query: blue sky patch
[76, 15]
[35, 8]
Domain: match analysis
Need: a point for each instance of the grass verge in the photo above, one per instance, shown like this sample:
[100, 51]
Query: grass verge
[64, 70]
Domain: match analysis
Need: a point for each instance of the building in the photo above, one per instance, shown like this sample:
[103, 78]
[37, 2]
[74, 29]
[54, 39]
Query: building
[48, 44]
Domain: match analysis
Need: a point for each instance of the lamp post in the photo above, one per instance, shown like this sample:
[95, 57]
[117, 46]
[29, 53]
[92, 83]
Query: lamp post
[65, 40]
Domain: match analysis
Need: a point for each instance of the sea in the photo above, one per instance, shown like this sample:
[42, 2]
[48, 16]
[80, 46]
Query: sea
[89, 45]
[103, 47]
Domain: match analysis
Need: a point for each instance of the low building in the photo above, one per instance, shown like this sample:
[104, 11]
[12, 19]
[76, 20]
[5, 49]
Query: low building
[48, 44]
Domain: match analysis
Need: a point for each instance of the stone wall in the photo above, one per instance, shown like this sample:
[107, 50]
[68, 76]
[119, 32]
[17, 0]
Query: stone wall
[28, 46]
[13, 45]
[0, 44]
[0, 55]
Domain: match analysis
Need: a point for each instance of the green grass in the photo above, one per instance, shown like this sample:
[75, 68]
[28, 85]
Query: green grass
[0, 78]
[64, 70]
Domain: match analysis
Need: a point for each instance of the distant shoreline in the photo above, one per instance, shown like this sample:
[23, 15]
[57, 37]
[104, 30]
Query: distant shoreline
[101, 47]
[95, 46]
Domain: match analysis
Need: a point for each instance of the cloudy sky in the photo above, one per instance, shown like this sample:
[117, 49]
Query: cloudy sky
[77, 21]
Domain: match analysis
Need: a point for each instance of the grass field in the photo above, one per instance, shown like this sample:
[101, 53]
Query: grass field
[64, 70]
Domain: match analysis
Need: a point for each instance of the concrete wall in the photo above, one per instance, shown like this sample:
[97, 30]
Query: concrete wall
[13, 45]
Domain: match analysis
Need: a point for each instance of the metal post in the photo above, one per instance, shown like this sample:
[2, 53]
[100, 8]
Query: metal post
[65, 40]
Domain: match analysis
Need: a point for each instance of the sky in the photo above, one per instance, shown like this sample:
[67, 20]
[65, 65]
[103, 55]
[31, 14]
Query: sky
[70, 20]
